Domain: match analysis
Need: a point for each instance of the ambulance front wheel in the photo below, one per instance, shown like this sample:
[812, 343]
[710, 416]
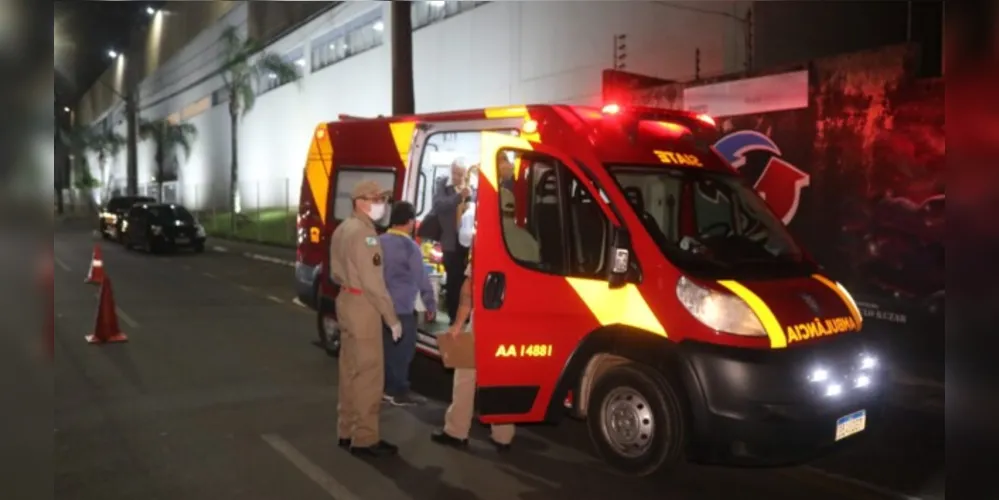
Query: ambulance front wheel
[636, 420]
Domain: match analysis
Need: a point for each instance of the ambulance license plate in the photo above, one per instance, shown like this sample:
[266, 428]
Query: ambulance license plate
[851, 424]
[182, 241]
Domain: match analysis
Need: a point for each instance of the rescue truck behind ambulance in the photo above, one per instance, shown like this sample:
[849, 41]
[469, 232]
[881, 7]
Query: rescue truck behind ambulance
[639, 283]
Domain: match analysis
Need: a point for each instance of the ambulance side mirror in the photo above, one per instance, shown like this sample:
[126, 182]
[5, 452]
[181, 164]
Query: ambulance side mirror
[620, 258]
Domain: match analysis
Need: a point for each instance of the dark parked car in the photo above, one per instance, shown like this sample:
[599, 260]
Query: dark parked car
[161, 227]
[110, 217]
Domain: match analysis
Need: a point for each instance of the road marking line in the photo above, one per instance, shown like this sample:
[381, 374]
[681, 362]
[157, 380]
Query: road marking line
[267, 258]
[247, 288]
[62, 264]
[220, 249]
[311, 470]
[210, 275]
[881, 490]
[275, 299]
[126, 318]
[298, 303]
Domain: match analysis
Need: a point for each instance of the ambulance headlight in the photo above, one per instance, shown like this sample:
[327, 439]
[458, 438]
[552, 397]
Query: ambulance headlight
[819, 375]
[868, 362]
[719, 311]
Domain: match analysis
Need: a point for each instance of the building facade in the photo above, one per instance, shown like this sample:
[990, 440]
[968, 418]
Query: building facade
[466, 54]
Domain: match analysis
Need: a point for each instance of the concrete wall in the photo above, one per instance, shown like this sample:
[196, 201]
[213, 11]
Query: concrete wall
[495, 54]
[796, 32]
[167, 34]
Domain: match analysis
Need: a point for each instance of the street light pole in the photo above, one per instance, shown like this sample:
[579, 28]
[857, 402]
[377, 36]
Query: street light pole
[132, 138]
[401, 30]
[131, 127]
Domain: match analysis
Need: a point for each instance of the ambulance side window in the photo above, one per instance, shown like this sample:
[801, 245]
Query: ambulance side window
[589, 230]
[530, 210]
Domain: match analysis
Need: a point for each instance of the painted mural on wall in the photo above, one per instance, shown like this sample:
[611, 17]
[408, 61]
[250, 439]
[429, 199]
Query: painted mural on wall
[879, 159]
[858, 177]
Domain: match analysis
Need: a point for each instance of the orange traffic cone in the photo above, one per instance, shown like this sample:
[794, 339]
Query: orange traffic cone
[96, 274]
[106, 324]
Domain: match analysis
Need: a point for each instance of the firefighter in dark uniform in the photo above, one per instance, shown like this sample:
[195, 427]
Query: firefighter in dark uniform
[362, 304]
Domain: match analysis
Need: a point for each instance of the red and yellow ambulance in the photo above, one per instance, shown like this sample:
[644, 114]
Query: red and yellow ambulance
[640, 283]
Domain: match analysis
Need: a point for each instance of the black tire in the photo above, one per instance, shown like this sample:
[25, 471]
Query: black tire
[328, 340]
[641, 392]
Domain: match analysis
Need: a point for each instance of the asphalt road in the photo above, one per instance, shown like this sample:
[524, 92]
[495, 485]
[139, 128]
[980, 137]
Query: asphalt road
[220, 394]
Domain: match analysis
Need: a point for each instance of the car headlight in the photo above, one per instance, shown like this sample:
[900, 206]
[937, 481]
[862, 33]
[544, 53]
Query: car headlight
[157, 230]
[719, 311]
[200, 230]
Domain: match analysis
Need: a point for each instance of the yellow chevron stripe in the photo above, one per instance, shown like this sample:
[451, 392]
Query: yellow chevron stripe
[844, 296]
[618, 306]
[402, 135]
[317, 170]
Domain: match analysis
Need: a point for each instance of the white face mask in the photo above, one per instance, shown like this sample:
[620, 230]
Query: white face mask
[377, 211]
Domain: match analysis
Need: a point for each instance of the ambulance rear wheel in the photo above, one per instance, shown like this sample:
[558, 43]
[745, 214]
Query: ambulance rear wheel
[636, 420]
[329, 333]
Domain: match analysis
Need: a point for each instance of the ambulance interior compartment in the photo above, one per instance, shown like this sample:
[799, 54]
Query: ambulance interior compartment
[536, 182]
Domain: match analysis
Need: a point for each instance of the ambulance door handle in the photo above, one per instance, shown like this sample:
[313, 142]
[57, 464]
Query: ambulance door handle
[494, 290]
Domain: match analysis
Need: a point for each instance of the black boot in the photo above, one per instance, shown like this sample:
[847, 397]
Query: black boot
[379, 449]
[441, 437]
[500, 447]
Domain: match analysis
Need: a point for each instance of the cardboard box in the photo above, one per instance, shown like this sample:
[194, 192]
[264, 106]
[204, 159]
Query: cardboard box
[457, 352]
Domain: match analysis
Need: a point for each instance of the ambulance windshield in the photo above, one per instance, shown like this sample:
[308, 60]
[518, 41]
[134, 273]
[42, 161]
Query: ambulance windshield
[710, 224]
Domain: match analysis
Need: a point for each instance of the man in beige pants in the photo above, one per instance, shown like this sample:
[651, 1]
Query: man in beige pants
[458, 419]
[362, 304]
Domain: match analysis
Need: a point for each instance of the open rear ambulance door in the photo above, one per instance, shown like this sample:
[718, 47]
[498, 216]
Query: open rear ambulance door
[356, 151]
[528, 316]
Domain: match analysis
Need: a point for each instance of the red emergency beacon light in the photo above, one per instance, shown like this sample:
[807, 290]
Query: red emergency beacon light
[611, 109]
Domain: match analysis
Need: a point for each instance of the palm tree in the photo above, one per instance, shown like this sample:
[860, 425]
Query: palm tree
[238, 75]
[105, 143]
[167, 137]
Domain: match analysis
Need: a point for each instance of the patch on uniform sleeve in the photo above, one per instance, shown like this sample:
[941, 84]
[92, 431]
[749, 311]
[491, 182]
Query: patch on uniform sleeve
[377, 259]
[371, 241]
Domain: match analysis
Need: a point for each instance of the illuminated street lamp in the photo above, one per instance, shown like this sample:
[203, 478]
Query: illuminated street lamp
[151, 11]
[113, 54]
[66, 109]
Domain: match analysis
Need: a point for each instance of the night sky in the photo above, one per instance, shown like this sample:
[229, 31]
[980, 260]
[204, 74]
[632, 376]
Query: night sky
[84, 32]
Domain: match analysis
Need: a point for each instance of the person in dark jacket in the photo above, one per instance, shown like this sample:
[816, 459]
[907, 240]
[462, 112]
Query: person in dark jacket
[450, 197]
[405, 276]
